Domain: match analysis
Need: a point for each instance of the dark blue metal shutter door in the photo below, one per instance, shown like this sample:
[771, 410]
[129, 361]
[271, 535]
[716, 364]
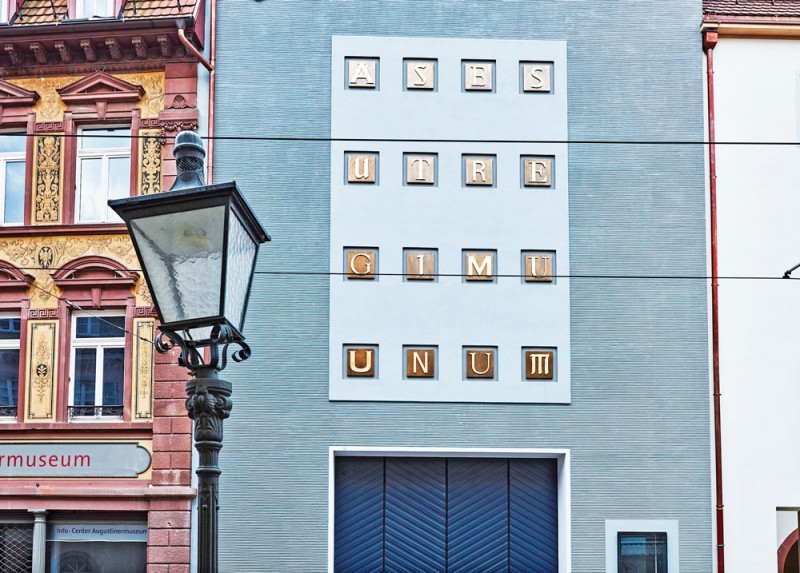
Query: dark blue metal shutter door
[358, 515]
[477, 504]
[534, 516]
[416, 515]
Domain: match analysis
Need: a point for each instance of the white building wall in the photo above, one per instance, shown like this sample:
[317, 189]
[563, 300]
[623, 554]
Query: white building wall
[758, 202]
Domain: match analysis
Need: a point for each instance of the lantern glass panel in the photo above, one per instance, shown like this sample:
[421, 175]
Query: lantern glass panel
[241, 254]
[182, 253]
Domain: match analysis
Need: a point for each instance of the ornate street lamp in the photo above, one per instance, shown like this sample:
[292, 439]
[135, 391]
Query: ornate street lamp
[197, 245]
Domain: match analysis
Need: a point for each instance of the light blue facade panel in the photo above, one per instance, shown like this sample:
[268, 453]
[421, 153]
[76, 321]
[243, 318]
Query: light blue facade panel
[637, 426]
[507, 218]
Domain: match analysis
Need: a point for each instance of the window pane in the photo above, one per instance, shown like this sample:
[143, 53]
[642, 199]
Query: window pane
[119, 182]
[96, 556]
[113, 376]
[642, 553]
[100, 327]
[9, 377]
[12, 143]
[118, 138]
[9, 328]
[14, 191]
[85, 360]
[92, 192]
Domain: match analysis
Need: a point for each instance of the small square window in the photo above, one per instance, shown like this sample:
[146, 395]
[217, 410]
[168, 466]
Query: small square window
[641, 552]
[12, 178]
[97, 377]
[103, 173]
[95, 8]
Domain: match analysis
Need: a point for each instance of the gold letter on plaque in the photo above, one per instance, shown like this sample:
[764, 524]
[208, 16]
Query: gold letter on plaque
[538, 365]
[361, 264]
[361, 362]
[480, 363]
[420, 362]
[479, 266]
[361, 168]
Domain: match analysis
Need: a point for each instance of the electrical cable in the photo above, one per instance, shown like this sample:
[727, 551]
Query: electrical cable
[317, 139]
[498, 275]
[100, 318]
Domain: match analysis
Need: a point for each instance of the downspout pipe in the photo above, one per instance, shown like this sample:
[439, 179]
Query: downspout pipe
[710, 38]
[212, 83]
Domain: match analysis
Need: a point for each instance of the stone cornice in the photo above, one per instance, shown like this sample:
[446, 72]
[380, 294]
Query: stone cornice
[123, 46]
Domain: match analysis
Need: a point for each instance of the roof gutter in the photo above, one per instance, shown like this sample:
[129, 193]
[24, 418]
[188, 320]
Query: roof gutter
[752, 26]
[191, 48]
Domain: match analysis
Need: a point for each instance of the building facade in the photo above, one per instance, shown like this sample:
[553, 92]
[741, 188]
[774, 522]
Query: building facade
[469, 354]
[95, 446]
[751, 49]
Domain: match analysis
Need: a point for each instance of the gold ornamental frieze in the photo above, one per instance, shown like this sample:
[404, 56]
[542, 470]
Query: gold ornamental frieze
[142, 387]
[47, 179]
[41, 370]
[50, 108]
[150, 167]
[40, 256]
[152, 101]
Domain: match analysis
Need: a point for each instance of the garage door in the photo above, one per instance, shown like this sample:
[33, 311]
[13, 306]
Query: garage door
[445, 515]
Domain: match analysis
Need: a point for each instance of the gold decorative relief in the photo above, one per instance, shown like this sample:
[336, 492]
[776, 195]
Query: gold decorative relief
[150, 168]
[40, 255]
[47, 180]
[142, 386]
[41, 370]
[152, 101]
[49, 107]
[143, 296]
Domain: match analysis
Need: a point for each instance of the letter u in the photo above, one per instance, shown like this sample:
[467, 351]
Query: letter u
[368, 362]
[488, 362]
[362, 170]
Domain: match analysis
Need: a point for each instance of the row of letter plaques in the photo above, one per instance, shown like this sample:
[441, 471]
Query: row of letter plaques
[478, 362]
[422, 169]
[421, 265]
[422, 74]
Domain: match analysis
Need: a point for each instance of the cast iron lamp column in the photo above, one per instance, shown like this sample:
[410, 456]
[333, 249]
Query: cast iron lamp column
[198, 245]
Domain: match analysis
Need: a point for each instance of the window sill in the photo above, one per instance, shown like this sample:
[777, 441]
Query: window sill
[75, 229]
[101, 426]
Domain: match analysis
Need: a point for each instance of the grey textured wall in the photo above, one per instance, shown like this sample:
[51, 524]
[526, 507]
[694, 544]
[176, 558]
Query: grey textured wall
[638, 425]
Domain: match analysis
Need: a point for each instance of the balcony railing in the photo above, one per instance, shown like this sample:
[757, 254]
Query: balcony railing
[94, 411]
[8, 411]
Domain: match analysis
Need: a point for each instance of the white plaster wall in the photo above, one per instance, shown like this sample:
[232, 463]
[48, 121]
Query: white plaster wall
[758, 201]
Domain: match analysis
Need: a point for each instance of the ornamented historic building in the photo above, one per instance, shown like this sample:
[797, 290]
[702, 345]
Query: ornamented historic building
[92, 451]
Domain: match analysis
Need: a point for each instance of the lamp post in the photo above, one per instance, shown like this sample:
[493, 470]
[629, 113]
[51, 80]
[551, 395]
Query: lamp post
[197, 245]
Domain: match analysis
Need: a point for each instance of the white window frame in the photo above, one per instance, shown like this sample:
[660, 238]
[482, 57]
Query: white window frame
[100, 344]
[616, 526]
[104, 155]
[562, 456]
[13, 344]
[4, 17]
[81, 15]
[5, 158]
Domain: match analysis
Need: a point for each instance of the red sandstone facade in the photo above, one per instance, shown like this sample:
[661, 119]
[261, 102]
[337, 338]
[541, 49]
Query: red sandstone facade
[91, 94]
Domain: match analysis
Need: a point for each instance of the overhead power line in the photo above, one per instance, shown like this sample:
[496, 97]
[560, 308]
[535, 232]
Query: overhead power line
[100, 318]
[320, 139]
